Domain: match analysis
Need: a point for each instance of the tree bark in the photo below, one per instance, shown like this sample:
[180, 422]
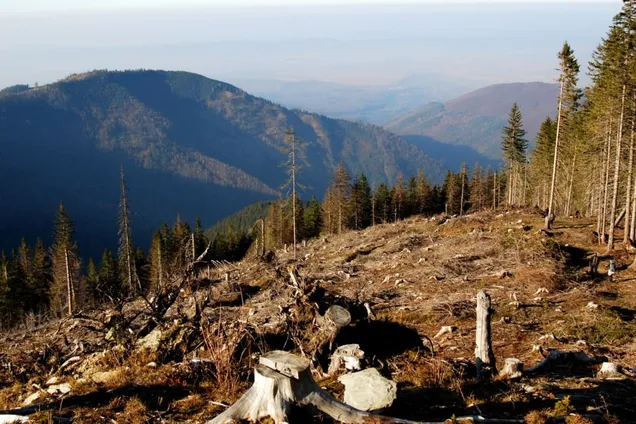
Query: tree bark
[70, 292]
[556, 150]
[485, 358]
[617, 166]
[606, 183]
[628, 195]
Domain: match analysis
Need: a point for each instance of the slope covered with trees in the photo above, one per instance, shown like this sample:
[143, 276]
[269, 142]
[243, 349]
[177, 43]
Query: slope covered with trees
[189, 145]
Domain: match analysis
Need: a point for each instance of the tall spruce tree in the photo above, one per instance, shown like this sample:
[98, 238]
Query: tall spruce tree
[514, 147]
[568, 100]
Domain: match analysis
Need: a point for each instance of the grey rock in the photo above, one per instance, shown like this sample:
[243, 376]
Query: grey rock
[368, 391]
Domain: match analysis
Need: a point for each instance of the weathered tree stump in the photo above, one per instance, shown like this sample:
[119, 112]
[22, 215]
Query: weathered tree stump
[549, 220]
[485, 358]
[282, 380]
[594, 264]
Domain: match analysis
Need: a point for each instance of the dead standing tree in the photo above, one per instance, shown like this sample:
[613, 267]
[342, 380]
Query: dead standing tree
[485, 358]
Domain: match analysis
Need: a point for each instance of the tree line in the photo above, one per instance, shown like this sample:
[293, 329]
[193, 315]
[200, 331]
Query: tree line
[583, 160]
[38, 283]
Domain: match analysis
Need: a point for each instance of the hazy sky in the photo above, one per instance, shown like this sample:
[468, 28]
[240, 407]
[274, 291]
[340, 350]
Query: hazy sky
[358, 43]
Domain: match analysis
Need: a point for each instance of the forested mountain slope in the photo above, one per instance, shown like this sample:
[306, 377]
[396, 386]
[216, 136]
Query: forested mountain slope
[476, 119]
[188, 145]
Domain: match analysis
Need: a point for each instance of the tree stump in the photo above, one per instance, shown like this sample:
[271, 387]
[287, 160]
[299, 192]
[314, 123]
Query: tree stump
[485, 358]
[282, 380]
[549, 220]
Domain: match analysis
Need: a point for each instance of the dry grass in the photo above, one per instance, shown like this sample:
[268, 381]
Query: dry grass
[134, 412]
[9, 396]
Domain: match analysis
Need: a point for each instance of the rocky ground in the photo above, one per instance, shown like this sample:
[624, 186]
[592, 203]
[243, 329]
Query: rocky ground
[410, 290]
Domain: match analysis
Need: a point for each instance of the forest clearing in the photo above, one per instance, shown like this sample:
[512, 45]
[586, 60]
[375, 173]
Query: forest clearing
[409, 289]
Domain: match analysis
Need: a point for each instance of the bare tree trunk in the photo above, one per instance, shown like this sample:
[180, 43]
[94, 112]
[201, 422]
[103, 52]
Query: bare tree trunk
[571, 183]
[160, 279]
[494, 191]
[70, 292]
[628, 195]
[617, 166]
[461, 200]
[632, 228]
[556, 154]
[606, 184]
[484, 355]
[373, 210]
[294, 192]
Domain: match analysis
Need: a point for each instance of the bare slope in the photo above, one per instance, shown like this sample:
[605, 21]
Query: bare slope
[417, 276]
[476, 119]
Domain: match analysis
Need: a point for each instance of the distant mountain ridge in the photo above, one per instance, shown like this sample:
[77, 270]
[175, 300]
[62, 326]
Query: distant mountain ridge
[188, 144]
[376, 104]
[475, 119]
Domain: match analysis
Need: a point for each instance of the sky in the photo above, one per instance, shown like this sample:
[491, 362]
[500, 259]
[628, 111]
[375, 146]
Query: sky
[357, 44]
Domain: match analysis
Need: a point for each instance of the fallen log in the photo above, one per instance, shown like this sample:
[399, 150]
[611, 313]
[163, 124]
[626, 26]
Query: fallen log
[282, 380]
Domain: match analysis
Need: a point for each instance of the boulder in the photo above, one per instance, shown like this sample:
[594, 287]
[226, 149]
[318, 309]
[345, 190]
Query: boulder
[367, 390]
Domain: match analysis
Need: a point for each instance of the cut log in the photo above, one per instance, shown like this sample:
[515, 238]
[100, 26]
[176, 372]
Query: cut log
[447, 329]
[485, 358]
[610, 371]
[556, 357]
[346, 357]
[513, 369]
[338, 316]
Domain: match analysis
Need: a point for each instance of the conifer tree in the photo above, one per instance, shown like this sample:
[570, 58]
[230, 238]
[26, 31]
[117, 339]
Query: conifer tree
[399, 198]
[423, 193]
[313, 219]
[541, 162]
[569, 96]
[110, 283]
[65, 265]
[41, 275]
[157, 255]
[360, 203]
[339, 196]
[92, 283]
[382, 207]
[412, 207]
[514, 147]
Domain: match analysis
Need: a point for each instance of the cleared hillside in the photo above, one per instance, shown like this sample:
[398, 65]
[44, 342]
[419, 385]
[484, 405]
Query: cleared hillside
[417, 276]
[476, 118]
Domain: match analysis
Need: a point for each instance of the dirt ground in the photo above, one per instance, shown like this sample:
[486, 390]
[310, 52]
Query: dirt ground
[416, 276]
